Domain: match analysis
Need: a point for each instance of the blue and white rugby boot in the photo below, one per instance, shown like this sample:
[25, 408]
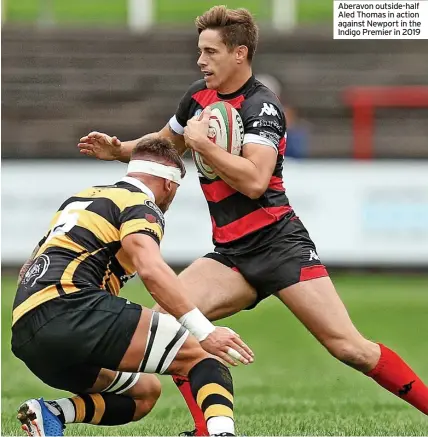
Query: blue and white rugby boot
[37, 420]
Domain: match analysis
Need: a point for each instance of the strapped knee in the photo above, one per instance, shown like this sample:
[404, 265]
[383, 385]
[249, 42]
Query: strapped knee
[165, 338]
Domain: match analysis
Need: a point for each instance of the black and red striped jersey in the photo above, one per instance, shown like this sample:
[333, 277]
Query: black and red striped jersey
[241, 224]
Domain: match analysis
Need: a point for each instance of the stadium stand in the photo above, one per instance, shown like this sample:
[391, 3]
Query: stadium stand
[60, 84]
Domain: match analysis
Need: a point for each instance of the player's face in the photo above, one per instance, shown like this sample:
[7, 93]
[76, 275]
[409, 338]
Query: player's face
[216, 62]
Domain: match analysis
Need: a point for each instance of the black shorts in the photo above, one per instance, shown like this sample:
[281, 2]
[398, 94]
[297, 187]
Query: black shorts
[289, 258]
[67, 340]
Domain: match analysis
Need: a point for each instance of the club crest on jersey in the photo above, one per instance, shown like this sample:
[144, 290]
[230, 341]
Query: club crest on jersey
[36, 271]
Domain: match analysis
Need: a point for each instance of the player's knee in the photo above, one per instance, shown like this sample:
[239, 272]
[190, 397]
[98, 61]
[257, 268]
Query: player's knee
[187, 365]
[357, 353]
[146, 400]
[189, 355]
[191, 363]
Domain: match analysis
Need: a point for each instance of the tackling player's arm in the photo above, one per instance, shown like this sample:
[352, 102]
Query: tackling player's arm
[160, 280]
[167, 290]
[141, 231]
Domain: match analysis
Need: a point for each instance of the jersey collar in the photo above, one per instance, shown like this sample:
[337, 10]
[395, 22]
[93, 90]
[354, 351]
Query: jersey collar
[248, 84]
[137, 183]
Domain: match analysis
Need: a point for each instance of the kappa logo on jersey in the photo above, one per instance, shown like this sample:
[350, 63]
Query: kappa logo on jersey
[153, 205]
[37, 270]
[313, 255]
[268, 109]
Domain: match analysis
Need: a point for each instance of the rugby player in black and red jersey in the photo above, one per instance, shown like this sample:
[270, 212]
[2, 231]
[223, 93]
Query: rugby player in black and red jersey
[261, 246]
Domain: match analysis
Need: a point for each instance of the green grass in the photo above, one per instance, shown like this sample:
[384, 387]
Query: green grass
[113, 12]
[294, 387]
[315, 11]
[82, 11]
[169, 11]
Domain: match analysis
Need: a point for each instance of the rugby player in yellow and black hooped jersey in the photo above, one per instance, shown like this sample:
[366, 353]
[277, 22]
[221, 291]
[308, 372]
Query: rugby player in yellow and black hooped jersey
[70, 326]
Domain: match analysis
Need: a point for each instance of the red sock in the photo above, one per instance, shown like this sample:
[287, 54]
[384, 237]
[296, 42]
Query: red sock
[183, 385]
[393, 374]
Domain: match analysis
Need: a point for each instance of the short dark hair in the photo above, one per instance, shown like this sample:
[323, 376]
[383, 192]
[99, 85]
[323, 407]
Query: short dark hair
[159, 150]
[236, 26]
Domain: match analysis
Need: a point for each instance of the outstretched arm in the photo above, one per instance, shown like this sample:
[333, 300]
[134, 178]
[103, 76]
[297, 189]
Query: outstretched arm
[107, 148]
[167, 290]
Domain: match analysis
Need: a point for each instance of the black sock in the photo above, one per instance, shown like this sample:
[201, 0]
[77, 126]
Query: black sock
[212, 387]
[104, 409]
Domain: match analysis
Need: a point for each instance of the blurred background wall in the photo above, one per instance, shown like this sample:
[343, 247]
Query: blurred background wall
[357, 167]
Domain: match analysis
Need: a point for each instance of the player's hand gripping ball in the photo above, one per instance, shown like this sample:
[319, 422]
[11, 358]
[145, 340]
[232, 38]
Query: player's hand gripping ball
[225, 129]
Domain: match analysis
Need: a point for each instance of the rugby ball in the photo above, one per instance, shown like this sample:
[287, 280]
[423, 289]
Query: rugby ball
[226, 129]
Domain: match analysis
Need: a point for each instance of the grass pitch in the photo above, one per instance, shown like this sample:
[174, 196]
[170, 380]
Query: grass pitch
[113, 12]
[294, 387]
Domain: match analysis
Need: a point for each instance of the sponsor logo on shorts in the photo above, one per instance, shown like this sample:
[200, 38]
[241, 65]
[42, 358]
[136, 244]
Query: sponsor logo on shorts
[37, 270]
